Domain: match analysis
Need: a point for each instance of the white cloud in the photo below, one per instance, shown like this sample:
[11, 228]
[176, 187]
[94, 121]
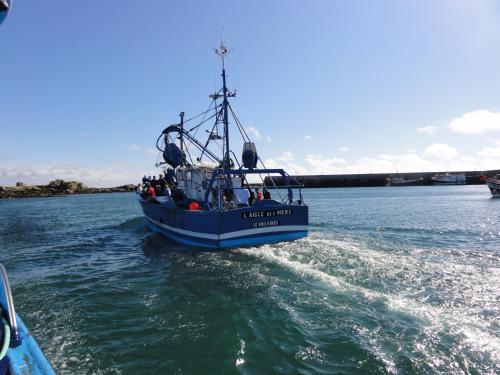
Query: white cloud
[386, 157]
[441, 151]
[286, 161]
[476, 122]
[253, 133]
[134, 147]
[344, 149]
[308, 137]
[436, 157]
[411, 162]
[384, 163]
[286, 156]
[429, 129]
[318, 164]
[112, 175]
[268, 139]
[117, 174]
[490, 152]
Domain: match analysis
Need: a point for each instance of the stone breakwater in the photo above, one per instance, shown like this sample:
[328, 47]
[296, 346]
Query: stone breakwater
[55, 188]
[372, 179]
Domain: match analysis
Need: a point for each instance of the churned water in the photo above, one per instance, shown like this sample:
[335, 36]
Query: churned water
[390, 281]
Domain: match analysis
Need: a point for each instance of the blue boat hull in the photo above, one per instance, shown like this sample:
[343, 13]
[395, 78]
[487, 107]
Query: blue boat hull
[20, 353]
[264, 222]
[27, 358]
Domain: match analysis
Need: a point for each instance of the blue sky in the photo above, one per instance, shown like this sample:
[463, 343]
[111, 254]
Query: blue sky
[325, 86]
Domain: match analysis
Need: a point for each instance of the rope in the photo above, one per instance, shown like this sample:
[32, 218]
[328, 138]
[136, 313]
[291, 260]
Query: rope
[243, 133]
[203, 120]
[202, 113]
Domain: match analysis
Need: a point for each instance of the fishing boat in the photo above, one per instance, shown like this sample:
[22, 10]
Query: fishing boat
[449, 179]
[493, 184]
[205, 198]
[19, 352]
[4, 9]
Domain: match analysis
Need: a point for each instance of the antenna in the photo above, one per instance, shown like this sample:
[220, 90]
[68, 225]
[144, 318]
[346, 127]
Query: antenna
[222, 51]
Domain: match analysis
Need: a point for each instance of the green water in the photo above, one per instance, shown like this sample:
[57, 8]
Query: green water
[390, 281]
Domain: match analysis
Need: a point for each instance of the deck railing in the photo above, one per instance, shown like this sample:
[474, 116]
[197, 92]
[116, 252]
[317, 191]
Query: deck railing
[11, 313]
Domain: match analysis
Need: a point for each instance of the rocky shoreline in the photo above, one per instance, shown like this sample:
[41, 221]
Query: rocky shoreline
[57, 188]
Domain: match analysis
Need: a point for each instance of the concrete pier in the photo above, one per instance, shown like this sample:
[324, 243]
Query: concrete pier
[372, 179]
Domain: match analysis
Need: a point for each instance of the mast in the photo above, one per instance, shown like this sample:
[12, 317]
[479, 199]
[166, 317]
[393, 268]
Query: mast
[222, 51]
[226, 120]
[181, 135]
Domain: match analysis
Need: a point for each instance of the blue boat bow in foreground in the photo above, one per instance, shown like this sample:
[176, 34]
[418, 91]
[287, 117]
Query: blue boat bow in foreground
[19, 353]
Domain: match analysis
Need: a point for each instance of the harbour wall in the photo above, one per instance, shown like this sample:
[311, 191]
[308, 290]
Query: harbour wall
[372, 179]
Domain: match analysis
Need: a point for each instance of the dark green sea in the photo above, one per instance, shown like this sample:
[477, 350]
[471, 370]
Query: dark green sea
[390, 281]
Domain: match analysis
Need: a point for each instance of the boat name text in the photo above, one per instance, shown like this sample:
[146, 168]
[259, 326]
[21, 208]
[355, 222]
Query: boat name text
[262, 224]
[272, 213]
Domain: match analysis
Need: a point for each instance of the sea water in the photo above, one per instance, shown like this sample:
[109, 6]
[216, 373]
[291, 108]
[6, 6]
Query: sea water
[402, 280]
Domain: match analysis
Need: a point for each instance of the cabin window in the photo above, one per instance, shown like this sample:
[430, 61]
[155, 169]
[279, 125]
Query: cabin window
[188, 176]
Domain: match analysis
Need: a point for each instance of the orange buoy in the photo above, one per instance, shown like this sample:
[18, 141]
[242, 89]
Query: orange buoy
[194, 206]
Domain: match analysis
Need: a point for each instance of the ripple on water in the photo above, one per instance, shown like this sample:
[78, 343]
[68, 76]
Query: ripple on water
[389, 281]
[420, 324]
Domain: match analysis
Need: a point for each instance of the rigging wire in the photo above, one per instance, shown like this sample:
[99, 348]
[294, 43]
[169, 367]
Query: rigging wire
[218, 113]
[243, 133]
[272, 180]
[200, 114]
[201, 123]
[240, 128]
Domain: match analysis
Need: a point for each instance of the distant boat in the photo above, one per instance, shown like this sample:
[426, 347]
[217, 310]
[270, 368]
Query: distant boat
[206, 200]
[405, 181]
[19, 352]
[494, 184]
[449, 179]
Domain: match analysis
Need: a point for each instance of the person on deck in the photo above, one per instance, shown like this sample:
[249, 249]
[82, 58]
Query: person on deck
[228, 198]
[154, 182]
[151, 193]
[164, 189]
[258, 194]
[145, 189]
[170, 177]
[251, 197]
[266, 194]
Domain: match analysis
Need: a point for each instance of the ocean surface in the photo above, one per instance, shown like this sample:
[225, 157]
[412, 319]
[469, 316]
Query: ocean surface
[402, 280]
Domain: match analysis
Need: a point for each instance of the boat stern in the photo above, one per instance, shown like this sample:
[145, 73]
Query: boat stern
[263, 223]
